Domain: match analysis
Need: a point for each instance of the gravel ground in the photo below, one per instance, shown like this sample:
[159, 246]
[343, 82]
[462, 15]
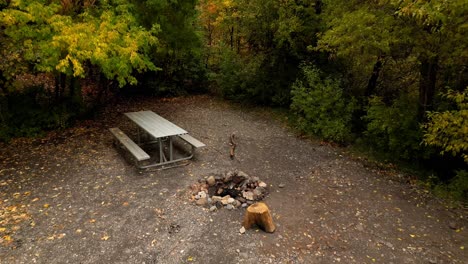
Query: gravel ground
[71, 197]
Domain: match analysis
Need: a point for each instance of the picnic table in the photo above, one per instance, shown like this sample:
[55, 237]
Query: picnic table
[154, 129]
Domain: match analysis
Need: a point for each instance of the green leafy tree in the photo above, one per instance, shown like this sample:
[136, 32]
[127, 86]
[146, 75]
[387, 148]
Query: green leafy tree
[448, 130]
[363, 35]
[107, 37]
[67, 40]
[430, 35]
[179, 49]
[269, 37]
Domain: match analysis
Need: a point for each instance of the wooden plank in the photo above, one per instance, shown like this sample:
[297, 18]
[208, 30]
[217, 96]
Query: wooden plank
[154, 124]
[192, 141]
[131, 146]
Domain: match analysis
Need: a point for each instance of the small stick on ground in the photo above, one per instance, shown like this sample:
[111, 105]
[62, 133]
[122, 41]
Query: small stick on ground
[233, 146]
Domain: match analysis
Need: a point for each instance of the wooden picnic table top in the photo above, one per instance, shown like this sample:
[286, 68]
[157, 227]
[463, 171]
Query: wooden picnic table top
[154, 124]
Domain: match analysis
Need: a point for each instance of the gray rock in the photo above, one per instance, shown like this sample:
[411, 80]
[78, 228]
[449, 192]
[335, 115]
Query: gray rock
[211, 181]
[230, 200]
[262, 184]
[202, 201]
[201, 180]
[453, 225]
[241, 199]
[197, 197]
[229, 207]
[202, 194]
[242, 174]
[248, 195]
[216, 198]
[255, 179]
[213, 208]
[228, 176]
[242, 230]
[244, 205]
[225, 199]
[281, 185]
[237, 204]
[258, 191]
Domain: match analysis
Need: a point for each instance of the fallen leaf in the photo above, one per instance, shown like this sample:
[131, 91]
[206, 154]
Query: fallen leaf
[105, 237]
[46, 205]
[92, 220]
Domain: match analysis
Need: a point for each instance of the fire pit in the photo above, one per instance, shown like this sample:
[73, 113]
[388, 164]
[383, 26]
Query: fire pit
[231, 190]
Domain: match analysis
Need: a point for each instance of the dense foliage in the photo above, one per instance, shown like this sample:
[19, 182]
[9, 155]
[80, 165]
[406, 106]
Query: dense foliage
[376, 71]
[63, 58]
[321, 106]
[390, 75]
[449, 129]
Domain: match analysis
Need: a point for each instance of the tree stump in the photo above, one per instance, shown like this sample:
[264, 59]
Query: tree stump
[259, 214]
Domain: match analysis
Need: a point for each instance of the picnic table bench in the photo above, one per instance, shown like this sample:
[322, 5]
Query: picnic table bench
[157, 131]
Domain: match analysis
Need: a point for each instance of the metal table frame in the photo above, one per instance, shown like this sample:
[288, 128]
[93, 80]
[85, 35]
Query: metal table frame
[160, 130]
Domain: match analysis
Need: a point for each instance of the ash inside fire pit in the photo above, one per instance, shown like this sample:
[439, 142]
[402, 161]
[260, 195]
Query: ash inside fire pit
[233, 189]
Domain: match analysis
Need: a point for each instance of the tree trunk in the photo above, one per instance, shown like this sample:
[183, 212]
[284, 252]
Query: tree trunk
[3, 82]
[231, 33]
[372, 84]
[63, 85]
[57, 87]
[427, 84]
[318, 7]
[73, 84]
[210, 34]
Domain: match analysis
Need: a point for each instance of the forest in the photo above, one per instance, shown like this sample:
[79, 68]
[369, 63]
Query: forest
[389, 77]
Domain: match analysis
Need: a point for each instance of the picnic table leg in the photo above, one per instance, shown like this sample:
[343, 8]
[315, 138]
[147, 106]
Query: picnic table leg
[160, 150]
[170, 148]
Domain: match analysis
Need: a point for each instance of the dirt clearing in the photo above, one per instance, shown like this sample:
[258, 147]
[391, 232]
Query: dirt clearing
[72, 198]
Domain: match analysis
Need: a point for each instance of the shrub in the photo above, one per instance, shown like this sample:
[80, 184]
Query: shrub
[395, 129]
[256, 78]
[456, 189]
[29, 113]
[237, 76]
[321, 105]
